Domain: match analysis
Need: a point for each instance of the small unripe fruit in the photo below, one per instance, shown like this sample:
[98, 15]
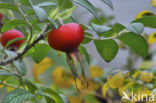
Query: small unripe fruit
[10, 35]
[66, 38]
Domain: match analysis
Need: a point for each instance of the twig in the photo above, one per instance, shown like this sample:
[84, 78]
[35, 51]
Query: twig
[26, 20]
[7, 85]
[100, 39]
[19, 55]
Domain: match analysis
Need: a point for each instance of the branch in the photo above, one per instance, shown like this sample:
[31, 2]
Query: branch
[19, 55]
[100, 39]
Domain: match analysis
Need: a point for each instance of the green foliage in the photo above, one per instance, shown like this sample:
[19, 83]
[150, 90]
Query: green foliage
[135, 42]
[7, 6]
[12, 24]
[18, 96]
[147, 21]
[136, 28]
[41, 50]
[89, 6]
[107, 49]
[20, 67]
[109, 3]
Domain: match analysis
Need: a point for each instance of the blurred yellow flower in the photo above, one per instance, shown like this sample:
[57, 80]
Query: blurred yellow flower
[105, 88]
[83, 86]
[116, 81]
[75, 99]
[38, 69]
[147, 64]
[62, 78]
[95, 71]
[146, 77]
[1, 85]
[152, 38]
[144, 13]
[153, 2]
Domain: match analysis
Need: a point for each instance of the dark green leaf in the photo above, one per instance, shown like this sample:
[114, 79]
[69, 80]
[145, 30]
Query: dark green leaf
[65, 4]
[49, 99]
[53, 94]
[89, 6]
[85, 53]
[135, 42]
[11, 24]
[46, 4]
[20, 67]
[87, 40]
[18, 96]
[107, 49]
[26, 2]
[40, 13]
[12, 41]
[7, 6]
[136, 28]
[109, 3]
[101, 20]
[41, 51]
[147, 21]
[118, 27]
[31, 86]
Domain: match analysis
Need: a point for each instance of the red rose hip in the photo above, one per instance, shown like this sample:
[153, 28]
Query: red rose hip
[66, 38]
[10, 35]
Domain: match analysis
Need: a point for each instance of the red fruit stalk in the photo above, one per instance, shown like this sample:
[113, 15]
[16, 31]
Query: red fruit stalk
[10, 35]
[1, 17]
[1, 23]
[67, 38]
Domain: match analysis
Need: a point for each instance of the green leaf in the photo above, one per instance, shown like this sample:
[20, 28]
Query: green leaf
[65, 14]
[6, 73]
[135, 42]
[108, 49]
[41, 51]
[109, 3]
[12, 41]
[20, 67]
[31, 86]
[100, 29]
[147, 21]
[136, 28]
[74, 18]
[7, 6]
[101, 20]
[18, 96]
[65, 4]
[118, 27]
[11, 24]
[65, 98]
[53, 94]
[87, 40]
[89, 6]
[40, 13]
[46, 4]
[25, 2]
[53, 23]
[85, 53]
[49, 99]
